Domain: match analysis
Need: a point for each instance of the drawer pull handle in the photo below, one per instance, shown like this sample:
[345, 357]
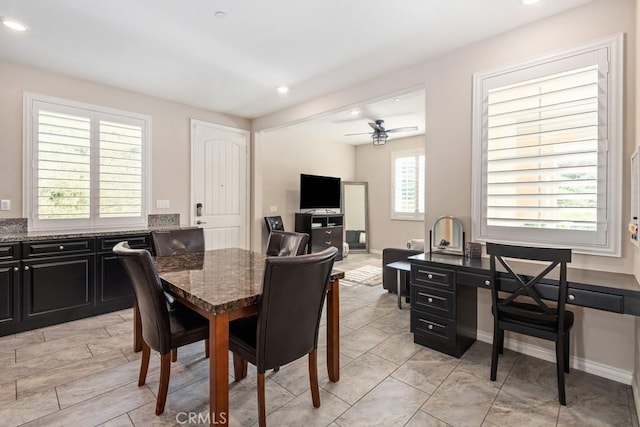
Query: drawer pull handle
[26, 267]
[61, 247]
[429, 299]
[487, 282]
[430, 276]
[15, 268]
[430, 325]
[572, 297]
[328, 243]
[328, 231]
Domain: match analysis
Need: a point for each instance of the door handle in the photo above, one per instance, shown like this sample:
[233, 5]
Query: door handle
[200, 222]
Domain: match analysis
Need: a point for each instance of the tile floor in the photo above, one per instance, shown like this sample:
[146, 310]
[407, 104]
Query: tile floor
[84, 373]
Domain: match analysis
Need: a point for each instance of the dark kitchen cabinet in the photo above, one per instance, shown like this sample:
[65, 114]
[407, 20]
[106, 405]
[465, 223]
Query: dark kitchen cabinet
[58, 281]
[114, 290]
[9, 288]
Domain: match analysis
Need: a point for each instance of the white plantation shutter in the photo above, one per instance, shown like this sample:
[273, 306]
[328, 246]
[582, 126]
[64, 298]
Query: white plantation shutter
[546, 144]
[121, 170]
[408, 185]
[63, 168]
[88, 165]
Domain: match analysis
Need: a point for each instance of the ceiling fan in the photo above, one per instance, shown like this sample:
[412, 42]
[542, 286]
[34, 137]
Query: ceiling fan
[380, 133]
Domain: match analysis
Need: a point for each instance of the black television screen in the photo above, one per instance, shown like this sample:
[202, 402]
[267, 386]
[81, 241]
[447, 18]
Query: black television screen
[319, 192]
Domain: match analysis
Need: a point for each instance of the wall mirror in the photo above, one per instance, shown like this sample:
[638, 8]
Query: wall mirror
[447, 236]
[356, 218]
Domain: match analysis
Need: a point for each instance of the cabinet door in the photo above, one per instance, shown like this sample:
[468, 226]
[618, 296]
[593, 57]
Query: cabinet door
[58, 289]
[114, 287]
[9, 297]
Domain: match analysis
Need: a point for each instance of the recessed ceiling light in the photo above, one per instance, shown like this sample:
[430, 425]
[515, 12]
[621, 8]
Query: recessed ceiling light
[529, 2]
[14, 25]
[354, 112]
[396, 99]
[282, 89]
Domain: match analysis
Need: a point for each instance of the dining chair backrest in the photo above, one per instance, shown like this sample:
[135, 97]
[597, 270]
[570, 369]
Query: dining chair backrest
[525, 290]
[150, 297]
[175, 242]
[274, 223]
[287, 243]
[293, 294]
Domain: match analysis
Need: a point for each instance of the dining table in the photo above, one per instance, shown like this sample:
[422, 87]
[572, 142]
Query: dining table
[223, 285]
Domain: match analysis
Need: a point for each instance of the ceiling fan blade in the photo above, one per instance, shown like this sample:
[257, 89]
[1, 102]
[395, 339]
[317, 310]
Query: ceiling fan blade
[404, 129]
[354, 134]
[375, 126]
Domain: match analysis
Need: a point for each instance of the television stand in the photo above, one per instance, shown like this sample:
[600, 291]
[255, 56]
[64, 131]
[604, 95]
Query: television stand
[324, 230]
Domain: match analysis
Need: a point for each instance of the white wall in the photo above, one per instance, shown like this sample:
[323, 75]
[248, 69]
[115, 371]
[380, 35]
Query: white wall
[373, 165]
[170, 132]
[282, 156]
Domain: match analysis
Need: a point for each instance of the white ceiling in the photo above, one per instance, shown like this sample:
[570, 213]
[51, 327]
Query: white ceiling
[180, 50]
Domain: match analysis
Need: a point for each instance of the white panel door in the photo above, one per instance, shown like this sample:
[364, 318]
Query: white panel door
[219, 183]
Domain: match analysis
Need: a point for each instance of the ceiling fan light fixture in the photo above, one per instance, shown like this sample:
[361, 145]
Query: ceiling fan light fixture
[379, 138]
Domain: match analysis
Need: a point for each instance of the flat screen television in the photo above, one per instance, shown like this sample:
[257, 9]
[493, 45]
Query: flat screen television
[319, 192]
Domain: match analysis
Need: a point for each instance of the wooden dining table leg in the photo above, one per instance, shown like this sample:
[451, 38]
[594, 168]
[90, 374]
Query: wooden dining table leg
[219, 369]
[137, 328]
[333, 331]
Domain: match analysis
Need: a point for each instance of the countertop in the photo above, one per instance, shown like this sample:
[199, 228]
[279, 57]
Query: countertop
[70, 234]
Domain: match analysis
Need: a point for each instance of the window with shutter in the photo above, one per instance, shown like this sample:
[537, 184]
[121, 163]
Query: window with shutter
[408, 185]
[547, 151]
[88, 165]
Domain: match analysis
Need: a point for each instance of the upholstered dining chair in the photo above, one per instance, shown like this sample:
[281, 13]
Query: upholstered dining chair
[287, 243]
[286, 326]
[162, 329]
[519, 307]
[176, 242]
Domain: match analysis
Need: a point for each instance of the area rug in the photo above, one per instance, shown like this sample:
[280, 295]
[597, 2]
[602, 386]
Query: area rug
[369, 275]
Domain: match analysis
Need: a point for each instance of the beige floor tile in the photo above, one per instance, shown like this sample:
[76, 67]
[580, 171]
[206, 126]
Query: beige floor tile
[426, 369]
[390, 403]
[29, 408]
[7, 392]
[46, 362]
[38, 350]
[67, 373]
[462, 400]
[301, 408]
[121, 421]
[359, 377]
[422, 419]
[99, 409]
[397, 348]
[361, 341]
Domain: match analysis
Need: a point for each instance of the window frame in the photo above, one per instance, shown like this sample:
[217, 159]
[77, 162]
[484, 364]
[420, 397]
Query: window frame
[31, 101]
[416, 216]
[613, 48]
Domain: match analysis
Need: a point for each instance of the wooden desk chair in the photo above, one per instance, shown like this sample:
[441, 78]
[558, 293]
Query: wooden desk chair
[287, 243]
[521, 309]
[286, 327]
[162, 329]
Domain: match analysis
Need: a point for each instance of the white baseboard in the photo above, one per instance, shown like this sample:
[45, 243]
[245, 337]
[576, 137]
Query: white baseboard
[375, 251]
[636, 397]
[585, 365]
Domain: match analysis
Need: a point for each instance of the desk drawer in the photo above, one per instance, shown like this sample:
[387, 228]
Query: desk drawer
[432, 276]
[473, 279]
[434, 327]
[600, 300]
[433, 301]
[57, 247]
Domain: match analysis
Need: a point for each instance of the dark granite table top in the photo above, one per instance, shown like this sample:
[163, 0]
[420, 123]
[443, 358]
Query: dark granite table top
[218, 280]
